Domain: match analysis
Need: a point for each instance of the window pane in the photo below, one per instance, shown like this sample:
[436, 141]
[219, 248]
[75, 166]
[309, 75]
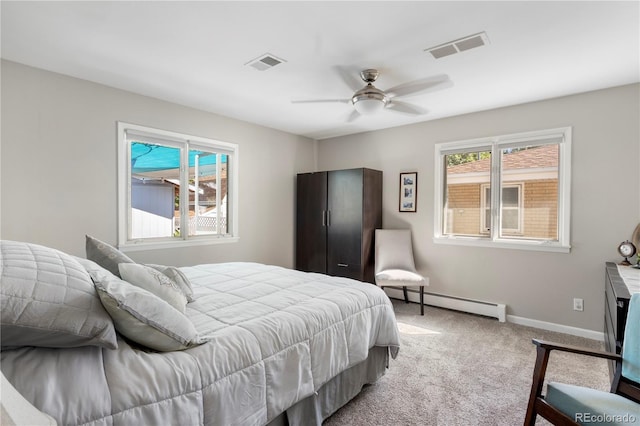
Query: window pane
[155, 173]
[207, 193]
[510, 219]
[535, 169]
[510, 197]
[467, 177]
[486, 220]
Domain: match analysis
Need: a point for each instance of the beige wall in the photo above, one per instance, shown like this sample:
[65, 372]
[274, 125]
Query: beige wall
[58, 167]
[534, 285]
[541, 208]
[464, 216]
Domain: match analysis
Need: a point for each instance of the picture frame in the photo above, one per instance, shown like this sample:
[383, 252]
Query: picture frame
[408, 192]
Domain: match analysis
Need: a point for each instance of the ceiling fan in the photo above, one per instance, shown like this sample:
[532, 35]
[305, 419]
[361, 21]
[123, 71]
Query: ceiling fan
[369, 99]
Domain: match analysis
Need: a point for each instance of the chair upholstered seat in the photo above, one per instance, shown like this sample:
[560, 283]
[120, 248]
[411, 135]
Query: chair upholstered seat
[579, 402]
[399, 277]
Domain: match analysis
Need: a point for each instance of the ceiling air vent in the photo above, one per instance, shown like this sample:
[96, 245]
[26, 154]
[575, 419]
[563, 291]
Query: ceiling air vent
[457, 46]
[265, 62]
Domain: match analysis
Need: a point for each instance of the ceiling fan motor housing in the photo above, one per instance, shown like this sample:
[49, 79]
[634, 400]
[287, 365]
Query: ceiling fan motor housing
[369, 99]
[369, 75]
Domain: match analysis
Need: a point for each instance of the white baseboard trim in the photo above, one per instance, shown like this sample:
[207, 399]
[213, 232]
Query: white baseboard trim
[550, 326]
[488, 309]
[495, 310]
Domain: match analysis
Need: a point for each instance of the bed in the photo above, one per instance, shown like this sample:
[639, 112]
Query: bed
[264, 344]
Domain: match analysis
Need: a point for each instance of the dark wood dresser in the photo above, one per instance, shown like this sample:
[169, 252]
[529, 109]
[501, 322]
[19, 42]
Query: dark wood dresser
[616, 305]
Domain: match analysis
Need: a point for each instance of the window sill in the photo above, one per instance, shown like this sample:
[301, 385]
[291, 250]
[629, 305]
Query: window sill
[131, 246]
[548, 246]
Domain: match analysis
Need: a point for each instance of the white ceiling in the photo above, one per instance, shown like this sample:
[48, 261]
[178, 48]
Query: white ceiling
[194, 53]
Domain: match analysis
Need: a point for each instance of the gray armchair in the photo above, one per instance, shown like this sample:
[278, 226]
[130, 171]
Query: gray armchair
[567, 404]
[395, 266]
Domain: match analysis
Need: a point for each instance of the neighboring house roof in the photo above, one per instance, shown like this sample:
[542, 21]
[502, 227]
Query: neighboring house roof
[544, 156]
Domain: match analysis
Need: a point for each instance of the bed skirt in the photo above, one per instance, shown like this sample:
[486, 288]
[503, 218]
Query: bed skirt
[336, 392]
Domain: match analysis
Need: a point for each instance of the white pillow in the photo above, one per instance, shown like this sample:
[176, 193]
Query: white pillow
[154, 281]
[178, 276]
[145, 318]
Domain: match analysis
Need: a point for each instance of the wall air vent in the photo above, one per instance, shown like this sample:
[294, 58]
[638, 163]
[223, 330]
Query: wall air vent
[457, 46]
[265, 62]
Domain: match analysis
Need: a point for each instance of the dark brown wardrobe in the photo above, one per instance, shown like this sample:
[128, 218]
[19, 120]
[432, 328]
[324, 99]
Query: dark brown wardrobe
[337, 214]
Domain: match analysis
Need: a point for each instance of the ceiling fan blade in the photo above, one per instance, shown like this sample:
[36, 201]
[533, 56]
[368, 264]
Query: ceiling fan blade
[406, 108]
[416, 87]
[322, 101]
[350, 80]
[354, 115]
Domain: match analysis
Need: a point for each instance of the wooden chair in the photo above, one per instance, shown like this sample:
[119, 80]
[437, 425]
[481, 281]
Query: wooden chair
[395, 266]
[567, 404]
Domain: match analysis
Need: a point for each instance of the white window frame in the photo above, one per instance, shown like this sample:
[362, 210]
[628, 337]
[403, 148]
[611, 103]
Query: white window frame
[185, 142]
[559, 136]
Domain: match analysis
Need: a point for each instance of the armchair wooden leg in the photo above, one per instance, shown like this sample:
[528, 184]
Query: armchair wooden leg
[422, 300]
[406, 295]
[539, 371]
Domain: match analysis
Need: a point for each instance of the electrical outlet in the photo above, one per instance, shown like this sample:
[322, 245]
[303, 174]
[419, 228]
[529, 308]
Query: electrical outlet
[578, 305]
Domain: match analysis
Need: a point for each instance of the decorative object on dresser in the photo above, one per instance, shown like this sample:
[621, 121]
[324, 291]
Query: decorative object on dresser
[408, 192]
[626, 249]
[394, 263]
[566, 404]
[336, 216]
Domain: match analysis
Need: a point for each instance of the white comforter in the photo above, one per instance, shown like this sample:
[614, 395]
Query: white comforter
[277, 335]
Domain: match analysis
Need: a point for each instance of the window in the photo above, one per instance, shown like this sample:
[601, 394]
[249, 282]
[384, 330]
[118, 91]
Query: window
[505, 191]
[511, 209]
[175, 189]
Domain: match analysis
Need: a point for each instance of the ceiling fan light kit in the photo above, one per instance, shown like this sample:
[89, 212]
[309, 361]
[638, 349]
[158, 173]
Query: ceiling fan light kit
[368, 105]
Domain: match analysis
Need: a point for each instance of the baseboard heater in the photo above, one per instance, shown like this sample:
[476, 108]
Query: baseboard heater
[489, 309]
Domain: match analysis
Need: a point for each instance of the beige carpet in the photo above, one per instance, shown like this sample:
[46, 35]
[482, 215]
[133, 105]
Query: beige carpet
[462, 369]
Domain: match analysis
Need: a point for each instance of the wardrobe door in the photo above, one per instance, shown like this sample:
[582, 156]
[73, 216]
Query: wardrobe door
[311, 234]
[344, 230]
[371, 220]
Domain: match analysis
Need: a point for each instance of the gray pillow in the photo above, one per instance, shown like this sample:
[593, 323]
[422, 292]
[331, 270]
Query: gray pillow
[155, 282]
[145, 318]
[96, 272]
[178, 277]
[49, 300]
[105, 255]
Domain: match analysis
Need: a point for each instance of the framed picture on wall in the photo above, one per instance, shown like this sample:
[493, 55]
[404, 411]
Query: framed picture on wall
[408, 191]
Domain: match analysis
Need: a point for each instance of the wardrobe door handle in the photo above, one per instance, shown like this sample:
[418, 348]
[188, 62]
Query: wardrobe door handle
[328, 217]
[343, 265]
[324, 218]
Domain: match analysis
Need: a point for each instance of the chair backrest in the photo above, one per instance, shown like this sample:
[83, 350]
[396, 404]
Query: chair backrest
[394, 250]
[631, 345]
